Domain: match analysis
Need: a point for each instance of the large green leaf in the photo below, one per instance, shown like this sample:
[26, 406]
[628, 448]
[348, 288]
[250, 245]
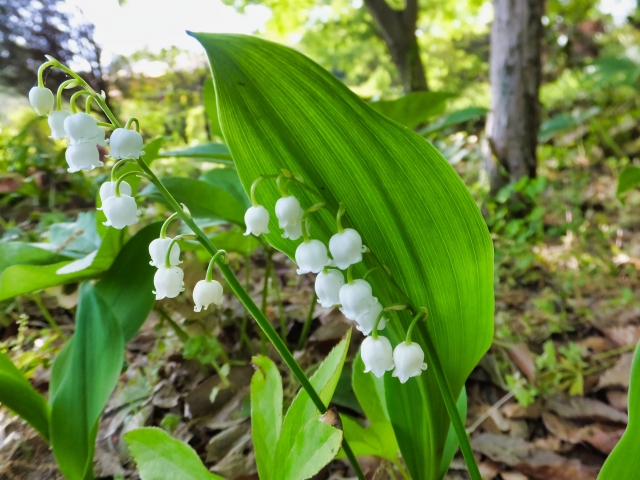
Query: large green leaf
[378, 438]
[228, 180]
[278, 110]
[85, 375]
[127, 286]
[203, 199]
[161, 457]
[17, 394]
[19, 253]
[210, 152]
[21, 279]
[266, 413]
[414, 108]
[623, 462]
[211, 107]
[306, 444]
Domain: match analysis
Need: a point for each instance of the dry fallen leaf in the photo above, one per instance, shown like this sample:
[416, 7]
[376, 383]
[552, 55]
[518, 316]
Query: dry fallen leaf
[619, 374]
[579, 408]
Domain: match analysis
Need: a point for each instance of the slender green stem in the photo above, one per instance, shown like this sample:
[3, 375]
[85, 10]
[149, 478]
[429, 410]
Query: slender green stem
[254, 185]
[281, 183]
[128, 174]
[117, 165]
[341, 211]
[265, 293]
[174, 240]
[130, 121]
[87, 105]
[307, 322]
[253, 309]
[369, 272]
[350, 274]
[374, 332]
[48, 317]
[41, 70]
[213, 261]
[66, 84]
[74, 97]
[107, 125]
[423, 312]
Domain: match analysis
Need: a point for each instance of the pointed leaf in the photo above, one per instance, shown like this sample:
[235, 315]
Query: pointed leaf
[279, 110]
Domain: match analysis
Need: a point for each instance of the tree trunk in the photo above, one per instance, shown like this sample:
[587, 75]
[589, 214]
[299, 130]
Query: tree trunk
[398, 29]
[514, 117]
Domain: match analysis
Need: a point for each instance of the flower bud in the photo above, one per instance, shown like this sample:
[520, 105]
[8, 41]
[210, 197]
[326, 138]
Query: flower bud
[377, 355]
[293, 232]
[311, 256]
[82, 127]
[120, 211]
[42, 100]
[168, 282]
[205, 293]
[346, 248]
[288, 211]
[158, 251]
[82, 156]
[56, 123]
[125, 143]
[108, 189]
[356, 298]
[367, 320]
[328, 284]
[409, 360]
[257, 220]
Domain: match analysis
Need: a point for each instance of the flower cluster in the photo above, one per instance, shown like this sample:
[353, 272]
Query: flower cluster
[355, 297]
[85, 139]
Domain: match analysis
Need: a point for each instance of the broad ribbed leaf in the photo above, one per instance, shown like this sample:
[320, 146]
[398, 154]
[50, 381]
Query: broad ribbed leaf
[623, 462]
[19, 395]
[278, 110]
[161, 457]
[414, 108]
[628, 180]
[83, 378]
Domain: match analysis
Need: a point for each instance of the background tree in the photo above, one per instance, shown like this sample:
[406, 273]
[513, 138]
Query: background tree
[30, 30]
[516, 71]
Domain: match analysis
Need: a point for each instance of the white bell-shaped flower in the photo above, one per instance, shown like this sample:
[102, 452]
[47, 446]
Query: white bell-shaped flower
[120, 211]
[56, 123]
[82, 156]
[377, 355]
[108, 189]
[409, 360]
[346, 248]
[328, 284]
[367, 320]
[168, 282]
[293, 232]
[356, 298]
[205, 293]
[100, 138]
[288, 211]
[81, 127]
[125, 143]
[158, 250]
[311, 256]
[42, 100]
[257, 220]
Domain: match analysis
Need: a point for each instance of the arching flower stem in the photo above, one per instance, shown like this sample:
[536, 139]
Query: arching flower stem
[374, 332]
[165, 225]
[214, 259]
[350, 274]
[41, 70]
[369, 272]
[174, 240]
[132, 120]
[423, 312]
[341, 211]
[128, 174]
[117, 165]
[281, 183]
[64, 85]
[74, 97]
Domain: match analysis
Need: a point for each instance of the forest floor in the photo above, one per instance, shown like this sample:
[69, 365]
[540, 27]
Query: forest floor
[548, 401]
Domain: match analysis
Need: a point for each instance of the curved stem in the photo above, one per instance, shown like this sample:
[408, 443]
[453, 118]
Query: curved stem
[165, 225]
[66, 84]
[41, 70]
[423, 311]
[254, 185]
[341, 211]
[174, 240]
[74, 97]
[374, 332]
[130, 121]
[253, 309]
[117, 165]
[282, 187]
[128, 174]
[87, 105]
[307, 323]
[369, 272]
[213, 261]
[350, 274]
